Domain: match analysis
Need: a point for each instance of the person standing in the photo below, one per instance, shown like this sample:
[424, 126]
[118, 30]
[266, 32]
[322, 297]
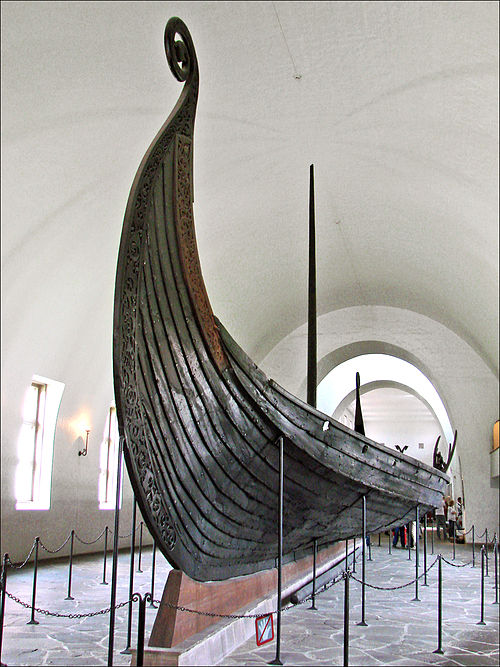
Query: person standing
[460, 514]
[440, 519]
[452, 518]
[399, 534]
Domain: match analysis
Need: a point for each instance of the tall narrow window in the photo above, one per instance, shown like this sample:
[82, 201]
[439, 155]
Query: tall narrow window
[36, 443]
[109, 461]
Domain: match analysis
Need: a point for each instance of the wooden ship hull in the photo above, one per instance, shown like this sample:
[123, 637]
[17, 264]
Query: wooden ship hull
[201, 421]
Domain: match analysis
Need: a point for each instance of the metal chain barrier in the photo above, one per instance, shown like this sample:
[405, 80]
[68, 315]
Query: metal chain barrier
[93, 541]
[212, 614]
[18, 567]
[128, 534]
[170, 605]
[46, 612]
[455, 564]
[50, 551]
[55, 551]
[395, 588]
[480, 536]
[327, 586]
[469, 531]
[323, 589]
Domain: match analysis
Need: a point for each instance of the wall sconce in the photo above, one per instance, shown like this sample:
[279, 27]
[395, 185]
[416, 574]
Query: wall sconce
[83, 452]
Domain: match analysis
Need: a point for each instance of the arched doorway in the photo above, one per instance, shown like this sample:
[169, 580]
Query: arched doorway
[400, 406]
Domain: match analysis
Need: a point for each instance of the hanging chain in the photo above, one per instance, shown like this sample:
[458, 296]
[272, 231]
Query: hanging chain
[128, 534]
[395, 588]
[50, 551]
[18, 567]
[46, 612]
[455, 564]
[210, 614]
[93, 541]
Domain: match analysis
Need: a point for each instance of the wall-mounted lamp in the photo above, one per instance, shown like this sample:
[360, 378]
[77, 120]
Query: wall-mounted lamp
[83, 452]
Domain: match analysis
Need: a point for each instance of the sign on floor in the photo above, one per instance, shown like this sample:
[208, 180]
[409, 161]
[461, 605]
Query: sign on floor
[264, 629]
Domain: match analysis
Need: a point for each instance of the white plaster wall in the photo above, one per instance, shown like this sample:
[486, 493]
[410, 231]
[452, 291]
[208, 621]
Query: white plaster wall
[467, 386]
[74, 499]
[401, 432]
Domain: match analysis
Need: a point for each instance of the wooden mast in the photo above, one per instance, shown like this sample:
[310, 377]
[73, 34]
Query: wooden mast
[359, 425]
[311, 315]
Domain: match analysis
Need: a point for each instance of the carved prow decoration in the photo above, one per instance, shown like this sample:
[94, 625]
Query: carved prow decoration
[437, 458]
[451, 452]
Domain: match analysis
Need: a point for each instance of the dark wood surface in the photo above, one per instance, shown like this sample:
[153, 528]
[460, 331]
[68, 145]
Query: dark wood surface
[200, 420]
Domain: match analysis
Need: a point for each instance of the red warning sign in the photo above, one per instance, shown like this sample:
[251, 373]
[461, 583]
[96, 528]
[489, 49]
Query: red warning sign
[264, 629]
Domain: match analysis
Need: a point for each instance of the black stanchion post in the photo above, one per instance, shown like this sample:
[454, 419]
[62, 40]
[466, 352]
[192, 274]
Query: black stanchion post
[354, 557]
[363, 566]
[277, 660]
[105, 556]
[473, 547]
[417, 551]
[347, 576]
[126, 650]
[432, 535]
[408, 539]
[379, 539]
[481, 622]
[313, 596]
[369, 539]
[2, 599]
[495, 552]
[440, 607]
[114, 570]
[33, 596]
[454, 538]
[141, 624]
[425, 550]
[153, 567]
[70, 571]
[140, 548]
[486, 553]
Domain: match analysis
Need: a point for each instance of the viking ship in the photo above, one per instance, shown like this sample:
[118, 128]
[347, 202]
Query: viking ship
[200, 421]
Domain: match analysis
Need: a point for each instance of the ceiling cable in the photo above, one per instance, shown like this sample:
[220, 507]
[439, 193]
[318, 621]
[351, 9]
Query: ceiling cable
[296, 75]
[352, 260]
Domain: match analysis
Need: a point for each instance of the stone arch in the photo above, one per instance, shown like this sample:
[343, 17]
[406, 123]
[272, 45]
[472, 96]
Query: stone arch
[466, 384]
[382, 384]
[336, 357]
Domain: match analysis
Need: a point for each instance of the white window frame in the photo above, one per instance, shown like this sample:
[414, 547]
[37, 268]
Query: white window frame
[36, 445]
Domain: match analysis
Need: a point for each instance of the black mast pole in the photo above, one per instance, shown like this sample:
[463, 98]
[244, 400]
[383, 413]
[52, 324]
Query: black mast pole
[359, 425]
[311, 327]
[311, 309]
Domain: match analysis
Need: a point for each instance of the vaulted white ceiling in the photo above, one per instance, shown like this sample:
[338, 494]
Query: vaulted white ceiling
[394, 103]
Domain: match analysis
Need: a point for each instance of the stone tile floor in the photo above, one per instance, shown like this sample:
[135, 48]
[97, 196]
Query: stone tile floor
[64, 641]
[399, 631]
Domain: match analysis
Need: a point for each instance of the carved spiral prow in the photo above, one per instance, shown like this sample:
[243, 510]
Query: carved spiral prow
[181, 55]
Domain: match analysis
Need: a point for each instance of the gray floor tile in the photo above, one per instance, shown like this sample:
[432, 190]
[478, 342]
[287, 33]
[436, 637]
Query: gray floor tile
[399, 632]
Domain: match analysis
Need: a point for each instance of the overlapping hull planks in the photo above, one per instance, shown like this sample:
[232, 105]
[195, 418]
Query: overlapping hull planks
[201, 421]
